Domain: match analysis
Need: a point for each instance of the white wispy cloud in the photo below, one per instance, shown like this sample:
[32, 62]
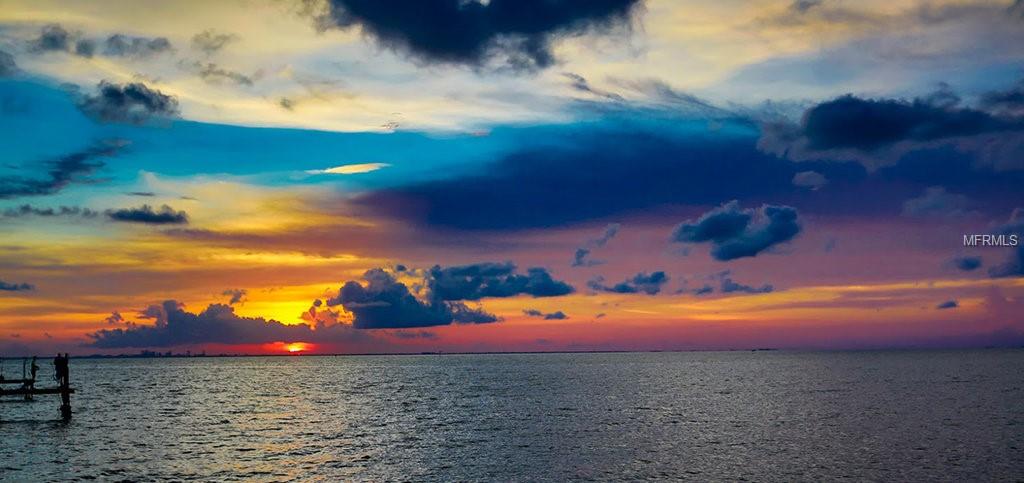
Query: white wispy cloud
[350, 169]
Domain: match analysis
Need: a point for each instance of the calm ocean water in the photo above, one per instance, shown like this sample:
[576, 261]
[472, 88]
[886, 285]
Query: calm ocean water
[904, 416]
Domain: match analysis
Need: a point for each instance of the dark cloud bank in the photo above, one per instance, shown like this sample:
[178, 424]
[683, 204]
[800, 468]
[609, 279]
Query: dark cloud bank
[516, 33]
[880, 131]
[380, 302]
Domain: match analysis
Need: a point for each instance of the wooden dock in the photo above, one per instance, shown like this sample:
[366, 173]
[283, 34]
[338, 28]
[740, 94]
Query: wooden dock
[26, 384]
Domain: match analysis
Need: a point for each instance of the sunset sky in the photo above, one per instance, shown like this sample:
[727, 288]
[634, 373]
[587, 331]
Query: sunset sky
[351, 176]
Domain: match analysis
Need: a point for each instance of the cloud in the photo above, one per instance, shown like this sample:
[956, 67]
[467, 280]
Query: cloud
[29, 210]
[120, 45]
[146, 214]
[557, 315]
[351, 169]
[949, 304]
[581, 257]
[736, 233]
[868, 124]
[937, 203]
[216, 324]
[802, 6]
[55, 38]
[385, 303]
[482, 280]
[63, 171]
[52, 37]
[880, 131]
[967, 263]
[477, 33]
[210, 41]
[7, 65]
[581, 84]
[601, 172]
[809, 179]
[215, 74]
[728, 285]
[147, 194]
[704, 290]
[16, 287]
[115, 318]
[1014, 264]
[132, 103]
[1009, 101]
[649, 284]
[237, 295]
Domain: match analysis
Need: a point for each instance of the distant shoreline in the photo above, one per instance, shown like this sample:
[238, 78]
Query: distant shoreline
[434, 353]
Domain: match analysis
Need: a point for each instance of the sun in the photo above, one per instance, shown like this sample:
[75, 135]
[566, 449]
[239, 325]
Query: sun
[297, 347]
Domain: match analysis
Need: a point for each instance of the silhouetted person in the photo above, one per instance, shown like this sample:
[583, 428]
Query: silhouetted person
[35, 369]
[60, 372]
[60, 369]
[30, 382]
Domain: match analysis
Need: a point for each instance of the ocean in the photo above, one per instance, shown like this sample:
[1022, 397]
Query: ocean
[768, 415]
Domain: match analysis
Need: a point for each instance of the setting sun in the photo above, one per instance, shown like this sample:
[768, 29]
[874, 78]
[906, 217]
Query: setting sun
[297, 347]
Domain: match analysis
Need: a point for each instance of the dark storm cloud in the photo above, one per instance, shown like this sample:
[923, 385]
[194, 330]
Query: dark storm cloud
[649, 284]
[236, 294]
[29, 210]
[120, 45]
[880, 131]
[581, 257]
[1013, 266]
[63, 171]
[557, 315]
[867, 124]
[949, 304]
[603, 173]
[7, 65]
[735, 232]
[481, 280]
[16, 287]
[385, 303]
[147, 215]
[210, 41]
[132, 103]
[967, 263]
[517, 33]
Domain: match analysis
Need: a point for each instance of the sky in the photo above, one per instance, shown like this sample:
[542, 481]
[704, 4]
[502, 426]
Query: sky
[355, 176]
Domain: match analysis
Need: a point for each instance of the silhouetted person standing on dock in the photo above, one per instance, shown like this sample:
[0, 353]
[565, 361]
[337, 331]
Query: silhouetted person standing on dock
[60, 370]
